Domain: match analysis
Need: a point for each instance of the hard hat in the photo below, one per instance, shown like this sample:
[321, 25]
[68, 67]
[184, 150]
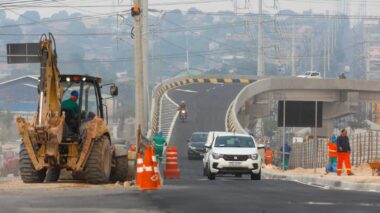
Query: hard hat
[75, 93]
[183, 102]
[333, 138]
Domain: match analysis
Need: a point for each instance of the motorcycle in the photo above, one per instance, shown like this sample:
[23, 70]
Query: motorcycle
[182, 115]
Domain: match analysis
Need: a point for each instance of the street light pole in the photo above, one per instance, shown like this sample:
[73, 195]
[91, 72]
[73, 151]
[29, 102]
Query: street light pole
[260, 55]
[283, 134]
[315, 138]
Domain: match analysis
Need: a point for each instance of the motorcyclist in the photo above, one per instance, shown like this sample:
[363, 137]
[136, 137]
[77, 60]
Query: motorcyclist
[182, 106]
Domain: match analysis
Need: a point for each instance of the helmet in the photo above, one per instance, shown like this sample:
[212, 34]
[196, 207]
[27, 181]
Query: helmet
[75, 93]
[182, 102]
[333, 138]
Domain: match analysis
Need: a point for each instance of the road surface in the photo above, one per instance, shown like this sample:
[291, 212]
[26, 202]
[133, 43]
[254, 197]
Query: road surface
[192, 193]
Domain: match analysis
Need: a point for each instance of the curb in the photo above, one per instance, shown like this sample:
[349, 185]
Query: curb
[326, 183]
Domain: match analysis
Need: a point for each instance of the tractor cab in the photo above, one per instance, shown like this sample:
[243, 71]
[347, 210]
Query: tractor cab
[89, 103]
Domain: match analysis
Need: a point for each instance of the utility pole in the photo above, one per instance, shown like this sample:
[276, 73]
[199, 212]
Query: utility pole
[324, 56]
[145, 60]
[325, 49]
[187, 52]
[260, 55]
[139, 76]
[328, 42]
[293, 50]
[312, 51]
[366, 54]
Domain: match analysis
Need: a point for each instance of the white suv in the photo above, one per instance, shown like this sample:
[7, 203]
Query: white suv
[230, 153]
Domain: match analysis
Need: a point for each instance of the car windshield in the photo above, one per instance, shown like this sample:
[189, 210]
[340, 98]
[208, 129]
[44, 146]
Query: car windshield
[307, 73]
[234, 141]
[199, 137]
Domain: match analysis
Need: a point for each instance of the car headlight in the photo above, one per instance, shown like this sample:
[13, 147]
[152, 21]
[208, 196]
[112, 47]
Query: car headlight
[254, 156]
[192, 147]
[183, 111]
[217, 155]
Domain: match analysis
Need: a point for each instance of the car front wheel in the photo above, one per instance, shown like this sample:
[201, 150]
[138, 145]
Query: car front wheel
[256, 176]
[210, 175]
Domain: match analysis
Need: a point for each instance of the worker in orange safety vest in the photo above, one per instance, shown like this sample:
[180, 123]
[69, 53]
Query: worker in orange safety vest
[268, 156]
[332, 149]
[332, 153]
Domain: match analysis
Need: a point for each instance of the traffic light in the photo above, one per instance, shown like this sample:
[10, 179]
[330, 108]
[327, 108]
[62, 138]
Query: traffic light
[135, 10]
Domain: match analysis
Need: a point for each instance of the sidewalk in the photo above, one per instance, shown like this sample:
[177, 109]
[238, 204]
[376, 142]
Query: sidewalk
[361, 181]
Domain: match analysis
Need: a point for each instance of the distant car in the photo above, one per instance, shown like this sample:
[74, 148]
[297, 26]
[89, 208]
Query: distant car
[196, 145]
[310, 74]
[231, 153]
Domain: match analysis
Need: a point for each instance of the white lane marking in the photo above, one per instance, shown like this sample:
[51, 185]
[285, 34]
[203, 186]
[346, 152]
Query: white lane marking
[313, 185]
[320, 203]
[85, 210]
[341, 204]
[187, 90]
[369, 204]
[174, 118]
[215, 87]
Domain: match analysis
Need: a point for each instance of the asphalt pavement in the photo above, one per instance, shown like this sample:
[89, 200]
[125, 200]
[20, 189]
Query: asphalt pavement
[207, 106]
[193, 193]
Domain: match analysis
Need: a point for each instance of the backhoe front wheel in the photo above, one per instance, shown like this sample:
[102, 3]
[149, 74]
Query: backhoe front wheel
[120, 171]
[98, 165]
[53, 174]
[27, 171]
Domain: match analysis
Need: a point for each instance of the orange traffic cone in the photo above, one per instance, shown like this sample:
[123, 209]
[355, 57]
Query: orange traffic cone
[171, 170]
[149, 181]
[156, 169]
[140, 169]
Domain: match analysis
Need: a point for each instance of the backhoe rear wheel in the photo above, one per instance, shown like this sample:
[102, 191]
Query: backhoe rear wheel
[27, 171]
[98, 165]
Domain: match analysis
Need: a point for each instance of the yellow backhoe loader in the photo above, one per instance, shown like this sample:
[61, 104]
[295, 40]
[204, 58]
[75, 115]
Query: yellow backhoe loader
[62, 138]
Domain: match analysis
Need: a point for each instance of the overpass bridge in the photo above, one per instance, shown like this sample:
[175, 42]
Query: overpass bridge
[340, 97]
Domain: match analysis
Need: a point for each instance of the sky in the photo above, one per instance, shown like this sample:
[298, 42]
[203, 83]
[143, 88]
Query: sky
[48, 7]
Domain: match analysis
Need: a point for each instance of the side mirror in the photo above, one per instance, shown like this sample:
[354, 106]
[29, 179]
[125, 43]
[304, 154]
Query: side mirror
[114, 91]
